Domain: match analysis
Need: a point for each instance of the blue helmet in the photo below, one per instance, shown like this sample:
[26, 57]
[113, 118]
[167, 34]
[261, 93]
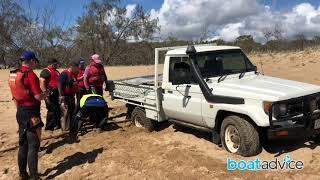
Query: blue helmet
[27, 55]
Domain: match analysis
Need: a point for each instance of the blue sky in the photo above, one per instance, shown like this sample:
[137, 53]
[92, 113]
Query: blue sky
[225, 18]
[67, 11]
[147, 4]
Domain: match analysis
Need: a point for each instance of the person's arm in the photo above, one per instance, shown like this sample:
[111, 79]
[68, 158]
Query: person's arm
[44, 77]
[43, 84]
[85, 78]
[35, 86]
[105, 75]
[81, 77]
[62, 83]
[38, 95]
[106, 79]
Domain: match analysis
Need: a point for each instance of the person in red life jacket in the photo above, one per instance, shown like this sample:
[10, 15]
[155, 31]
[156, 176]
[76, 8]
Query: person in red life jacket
[95, 76]
[81, 88]
[27, 95]
[49, 79]
[67, 90]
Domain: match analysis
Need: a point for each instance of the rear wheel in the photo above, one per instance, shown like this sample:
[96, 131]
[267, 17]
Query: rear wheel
[239, 136]
[140, 120]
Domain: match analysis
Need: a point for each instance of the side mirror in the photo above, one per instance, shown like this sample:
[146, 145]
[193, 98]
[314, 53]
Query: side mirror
[255, 69]
[191, 50]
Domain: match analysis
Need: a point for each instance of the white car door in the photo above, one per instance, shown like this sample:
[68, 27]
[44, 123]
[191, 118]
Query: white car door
[183, 101]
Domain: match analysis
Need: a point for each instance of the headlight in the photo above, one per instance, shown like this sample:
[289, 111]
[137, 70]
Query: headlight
[266, 106]
[280, 110]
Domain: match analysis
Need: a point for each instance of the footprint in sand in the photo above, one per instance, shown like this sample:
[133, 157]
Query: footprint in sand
[315, 158]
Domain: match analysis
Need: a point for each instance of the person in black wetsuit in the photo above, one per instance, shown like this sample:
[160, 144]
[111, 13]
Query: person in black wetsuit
[49, 78]
[27, 95]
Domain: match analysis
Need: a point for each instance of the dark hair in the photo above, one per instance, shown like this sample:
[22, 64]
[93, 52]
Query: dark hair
[74, 63]
[53, 61]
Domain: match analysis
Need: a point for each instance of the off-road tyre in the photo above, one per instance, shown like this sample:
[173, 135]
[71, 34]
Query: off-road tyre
[139, 119]
[249, 143]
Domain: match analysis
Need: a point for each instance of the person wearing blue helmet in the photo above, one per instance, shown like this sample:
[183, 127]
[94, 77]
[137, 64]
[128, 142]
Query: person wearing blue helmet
[27, 95]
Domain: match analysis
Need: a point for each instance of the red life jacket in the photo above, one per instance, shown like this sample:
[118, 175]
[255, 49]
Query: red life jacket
[16, 83]
[96, 71]
[71, 86]
[80, 74]
[54, 78]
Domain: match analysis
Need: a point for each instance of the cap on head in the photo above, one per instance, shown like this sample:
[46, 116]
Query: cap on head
[28, 55]
[53, 61]
[82, 61]
[96, 58]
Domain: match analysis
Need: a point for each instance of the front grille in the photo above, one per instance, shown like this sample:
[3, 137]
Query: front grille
[299, 111]
[295, 109]
[298, 106]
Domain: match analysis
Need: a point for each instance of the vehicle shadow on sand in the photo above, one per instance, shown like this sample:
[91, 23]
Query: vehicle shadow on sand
[282, 147]
[273, 147]
[74, 160]
[197, 133]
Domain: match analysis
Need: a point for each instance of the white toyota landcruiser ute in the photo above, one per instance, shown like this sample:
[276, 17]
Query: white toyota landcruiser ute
[217, 89]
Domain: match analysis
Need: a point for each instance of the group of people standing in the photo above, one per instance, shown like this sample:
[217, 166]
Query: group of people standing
[60, 91]
[71, 84]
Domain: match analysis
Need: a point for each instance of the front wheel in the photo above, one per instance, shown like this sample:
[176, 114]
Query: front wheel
[240, 137]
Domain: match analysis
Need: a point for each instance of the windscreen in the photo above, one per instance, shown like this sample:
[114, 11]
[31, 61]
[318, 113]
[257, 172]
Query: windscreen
[217, 63]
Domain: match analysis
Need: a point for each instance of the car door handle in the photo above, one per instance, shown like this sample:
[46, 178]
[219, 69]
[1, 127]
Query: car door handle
[169, 91]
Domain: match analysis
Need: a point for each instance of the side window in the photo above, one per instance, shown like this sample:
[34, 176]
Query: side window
[179, 71]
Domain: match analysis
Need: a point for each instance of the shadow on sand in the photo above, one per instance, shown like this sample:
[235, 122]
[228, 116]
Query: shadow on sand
[49, 149]
[286, 146]
[273, 147]
[86, 128]
[74, 160]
